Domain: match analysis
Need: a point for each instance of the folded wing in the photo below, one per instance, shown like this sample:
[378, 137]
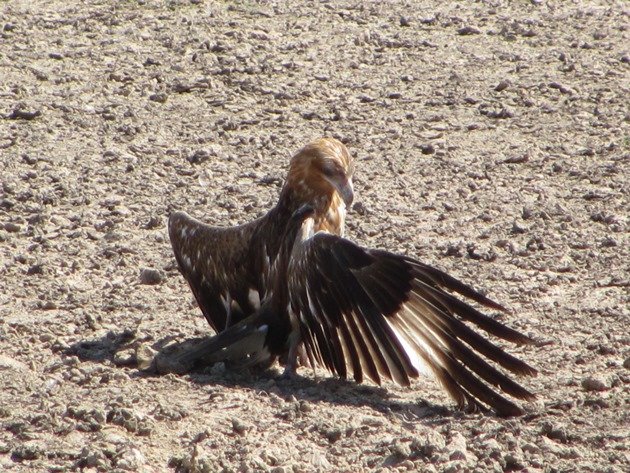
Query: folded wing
[216, 263]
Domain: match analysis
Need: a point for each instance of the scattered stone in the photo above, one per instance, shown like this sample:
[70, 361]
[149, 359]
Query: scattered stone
[90, 420]
[199, 156]
[130, 420]
[626, 363]
[499, 113]
[151, 276]
[404, 21]
[130, 459]
[501, 86]
[25, 453]
[125, 357]
[240, 427]
[7, 363]
[427, 148]
[457, 447]
[359, 208]
[159, 97]
[35, 269]
[21, 114]
[145, 355]
[468, 30]
[56, 56]
[595, 383]
[49, 305]
[432, 443]
[12, 227]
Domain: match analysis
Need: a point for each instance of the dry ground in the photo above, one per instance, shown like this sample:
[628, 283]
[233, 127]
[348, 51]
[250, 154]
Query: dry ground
[492, 141]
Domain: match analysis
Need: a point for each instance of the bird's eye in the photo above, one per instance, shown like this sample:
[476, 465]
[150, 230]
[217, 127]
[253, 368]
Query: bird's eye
[330, 169]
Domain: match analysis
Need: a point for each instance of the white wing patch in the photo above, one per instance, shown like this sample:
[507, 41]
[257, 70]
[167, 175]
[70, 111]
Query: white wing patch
[254, 298]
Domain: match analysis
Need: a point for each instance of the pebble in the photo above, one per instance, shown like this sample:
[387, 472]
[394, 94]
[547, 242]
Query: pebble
[595, 383]
[199, 157]
[151, 276]
[21, 114]
[12, 227]
[457, 447]
[626, 363]
[432, 443]
[7, 363]
[427, 149]
[125, 357]
[130, 459]
[144, 356]
[468, 30]
[159, 98]
[504, 84]
[240, 427]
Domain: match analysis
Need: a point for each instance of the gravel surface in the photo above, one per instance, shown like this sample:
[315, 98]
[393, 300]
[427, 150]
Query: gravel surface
[492, 140]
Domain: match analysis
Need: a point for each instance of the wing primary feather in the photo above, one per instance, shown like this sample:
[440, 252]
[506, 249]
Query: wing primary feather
[472, 338]
[443, 279]
[471, 314]
[440, 326]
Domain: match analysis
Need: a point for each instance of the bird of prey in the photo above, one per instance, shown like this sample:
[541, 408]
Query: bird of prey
[231, 270]
[357, 312]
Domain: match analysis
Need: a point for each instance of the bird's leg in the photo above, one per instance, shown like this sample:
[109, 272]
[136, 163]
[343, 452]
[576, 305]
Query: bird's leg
[228, 310]
[294, 345]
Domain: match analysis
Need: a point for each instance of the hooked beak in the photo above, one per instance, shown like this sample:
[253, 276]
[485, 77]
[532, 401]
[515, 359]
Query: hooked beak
[346, 191]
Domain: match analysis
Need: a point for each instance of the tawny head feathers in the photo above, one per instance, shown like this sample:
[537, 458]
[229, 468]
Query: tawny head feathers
[321, 169]
[320, 174]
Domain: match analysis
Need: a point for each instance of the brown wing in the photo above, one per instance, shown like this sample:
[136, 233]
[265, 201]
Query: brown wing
[387, 316]
[218, 264]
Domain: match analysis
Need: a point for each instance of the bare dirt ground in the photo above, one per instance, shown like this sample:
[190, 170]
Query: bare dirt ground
[492, 140]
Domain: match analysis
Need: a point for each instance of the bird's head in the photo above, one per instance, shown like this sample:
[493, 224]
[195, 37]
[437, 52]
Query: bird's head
[321, 171]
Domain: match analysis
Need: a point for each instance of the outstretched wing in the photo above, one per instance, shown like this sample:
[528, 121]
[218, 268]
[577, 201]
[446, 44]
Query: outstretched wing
[374, 313]
[217, 264]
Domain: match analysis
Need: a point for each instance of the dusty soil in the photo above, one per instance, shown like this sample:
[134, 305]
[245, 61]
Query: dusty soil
[492, 140]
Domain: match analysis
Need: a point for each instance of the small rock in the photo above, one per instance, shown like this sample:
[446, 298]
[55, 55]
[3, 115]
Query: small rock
[25, 452]
[57, 56]
[626, 363]
[125, 357]
[427, 149]
[130, 459]
[199, 157]
[359, 208]
[240, 427]
[431, 444]
[145, 356]
[12, 227]
[404, 21]
[21, 114]
[504, 84]
[595, 383]
[35, 269]
[159, 97]
[49, 305]
[150, 276]
[457, 447]
[7, 363]
[513, 462]
[468, 30]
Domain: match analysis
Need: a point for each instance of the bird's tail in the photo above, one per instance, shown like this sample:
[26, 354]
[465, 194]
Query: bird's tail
[242, 343]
